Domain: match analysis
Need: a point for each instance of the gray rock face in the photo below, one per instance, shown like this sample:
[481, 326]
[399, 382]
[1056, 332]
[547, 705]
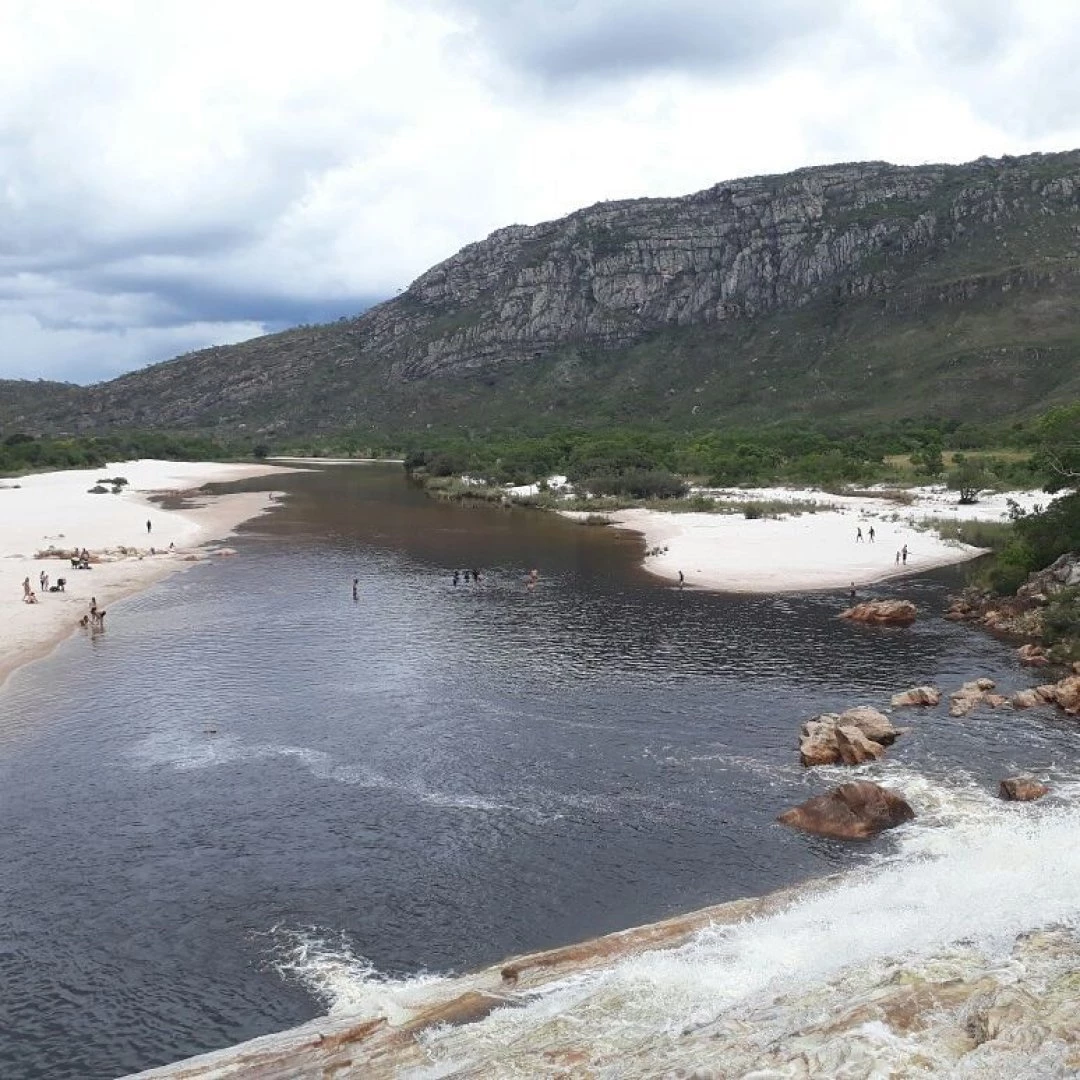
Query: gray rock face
[613, 272]
[825, 289]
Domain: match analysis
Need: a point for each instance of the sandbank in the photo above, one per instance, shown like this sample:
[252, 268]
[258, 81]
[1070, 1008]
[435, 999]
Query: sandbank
[809, 551]
[55, 511]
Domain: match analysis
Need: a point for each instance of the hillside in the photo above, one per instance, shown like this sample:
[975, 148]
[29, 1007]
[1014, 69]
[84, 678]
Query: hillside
[859, 291]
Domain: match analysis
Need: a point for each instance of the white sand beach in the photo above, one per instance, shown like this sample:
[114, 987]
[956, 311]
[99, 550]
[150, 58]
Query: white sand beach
[56, 511]
[809, 551]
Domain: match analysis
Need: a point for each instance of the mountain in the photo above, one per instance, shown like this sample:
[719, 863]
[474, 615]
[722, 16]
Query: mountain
[856, 291]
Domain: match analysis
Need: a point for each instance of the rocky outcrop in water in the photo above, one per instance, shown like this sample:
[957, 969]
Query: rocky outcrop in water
[850, 812]
[1022, 789]
[882, 613]
[917, 695]
[971, 694]
[852, 737]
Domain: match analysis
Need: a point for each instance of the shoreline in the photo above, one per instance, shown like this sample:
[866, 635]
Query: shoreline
[54, 510]
[817, 549]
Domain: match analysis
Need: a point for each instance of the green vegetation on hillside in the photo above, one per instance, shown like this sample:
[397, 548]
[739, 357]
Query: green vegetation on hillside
[23, 453]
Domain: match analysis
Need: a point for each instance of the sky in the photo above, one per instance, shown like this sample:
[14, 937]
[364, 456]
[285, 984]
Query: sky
[181, 174]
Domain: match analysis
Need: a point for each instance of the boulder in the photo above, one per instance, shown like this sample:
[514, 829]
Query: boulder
[882, 612]
[917, 695]
[873, 724]
[850, 812]
[855, 748]
[817, 743]
[973, 693]
[820, 742]
[1026, 699]
[1022, 789]
[1067, 694]
[1032, 656]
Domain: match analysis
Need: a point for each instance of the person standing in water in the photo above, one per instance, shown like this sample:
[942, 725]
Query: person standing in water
[871, 534]
[356, 588]
[457, 577]
[858, 535]
[148, 526]
[681, 579]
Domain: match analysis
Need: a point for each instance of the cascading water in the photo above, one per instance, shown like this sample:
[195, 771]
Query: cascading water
[955, 955]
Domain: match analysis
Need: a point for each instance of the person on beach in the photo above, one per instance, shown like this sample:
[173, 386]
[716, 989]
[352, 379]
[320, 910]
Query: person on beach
[898, 558]
[851, 591]
[903, 554]
[43, 581]
[148, 526]
[30, 597]
[356, 588]
[871, 534]
[681, 579]
[466, 577]
[476, 576]
[26, 589]
[858, 535]
[457, 577]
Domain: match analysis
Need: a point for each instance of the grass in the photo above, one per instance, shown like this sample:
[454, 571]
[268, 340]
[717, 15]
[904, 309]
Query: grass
[984, 534]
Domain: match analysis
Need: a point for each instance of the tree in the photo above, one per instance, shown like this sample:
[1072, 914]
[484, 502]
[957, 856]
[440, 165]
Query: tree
[969, 476]
[1058, 432]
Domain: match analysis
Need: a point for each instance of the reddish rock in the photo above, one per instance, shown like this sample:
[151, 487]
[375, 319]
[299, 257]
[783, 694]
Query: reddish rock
[873, 724]
[917, 695]
[820, 742]
[1026, 699]
[850, 812]
[1032, 656]
[882, 612]
[1022, 789]
[973, 693]
[1067, 694]
[855, 748]
[817, 744]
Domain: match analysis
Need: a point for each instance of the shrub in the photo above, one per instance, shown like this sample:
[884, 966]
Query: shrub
[98, 489]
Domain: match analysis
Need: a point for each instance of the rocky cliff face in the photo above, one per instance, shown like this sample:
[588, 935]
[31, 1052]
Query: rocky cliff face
[622, 299]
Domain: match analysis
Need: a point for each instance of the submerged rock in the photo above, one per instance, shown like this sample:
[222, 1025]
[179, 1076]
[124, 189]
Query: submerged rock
[882, 612]
[917, 695]
[850, 812]
[1022, 789]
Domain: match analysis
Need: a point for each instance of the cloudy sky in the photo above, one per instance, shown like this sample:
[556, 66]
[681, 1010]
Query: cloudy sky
[179, 174]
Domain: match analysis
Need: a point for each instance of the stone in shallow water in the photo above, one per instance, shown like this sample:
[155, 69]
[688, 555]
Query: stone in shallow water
[850, 812]
[1022, 789]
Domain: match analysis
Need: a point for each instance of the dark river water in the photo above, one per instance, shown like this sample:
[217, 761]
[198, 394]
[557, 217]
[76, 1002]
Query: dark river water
[251, 786]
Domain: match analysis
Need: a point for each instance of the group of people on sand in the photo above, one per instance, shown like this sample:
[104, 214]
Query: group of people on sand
[31, 597]
[901, 555]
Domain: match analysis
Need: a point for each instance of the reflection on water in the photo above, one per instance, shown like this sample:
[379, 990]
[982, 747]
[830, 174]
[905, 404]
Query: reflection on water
[445, 775]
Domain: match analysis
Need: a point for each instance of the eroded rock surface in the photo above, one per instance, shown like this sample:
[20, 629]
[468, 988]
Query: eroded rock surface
[850, 812]
[882, 613]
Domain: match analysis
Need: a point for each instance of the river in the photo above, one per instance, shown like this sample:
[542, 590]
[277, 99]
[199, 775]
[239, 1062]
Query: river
[252, 796]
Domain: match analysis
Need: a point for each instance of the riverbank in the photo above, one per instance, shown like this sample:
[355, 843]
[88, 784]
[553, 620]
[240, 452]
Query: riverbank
[44, 515]
[828, 547]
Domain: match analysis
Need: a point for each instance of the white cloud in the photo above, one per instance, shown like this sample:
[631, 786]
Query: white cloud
[180, 173]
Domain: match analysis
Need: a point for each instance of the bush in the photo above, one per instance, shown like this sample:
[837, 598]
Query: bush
[98, 489]
[638, 484]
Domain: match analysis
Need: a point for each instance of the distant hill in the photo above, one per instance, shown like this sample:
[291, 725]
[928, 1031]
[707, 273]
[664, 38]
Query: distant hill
[860, 291]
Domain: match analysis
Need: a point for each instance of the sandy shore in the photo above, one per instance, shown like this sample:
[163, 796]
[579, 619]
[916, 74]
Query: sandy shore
[56, 511]
[809, 551]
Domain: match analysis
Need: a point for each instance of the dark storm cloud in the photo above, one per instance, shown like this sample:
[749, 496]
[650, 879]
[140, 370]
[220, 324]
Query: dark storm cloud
[575, 40]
